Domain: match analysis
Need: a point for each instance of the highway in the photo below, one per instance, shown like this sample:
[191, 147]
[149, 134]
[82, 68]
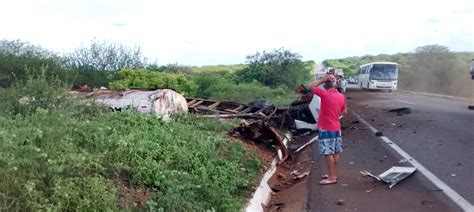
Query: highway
[438, 134]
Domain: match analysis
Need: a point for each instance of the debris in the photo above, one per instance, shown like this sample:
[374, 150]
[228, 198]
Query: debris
[228, 109]
[400, 111]
[381, 161]
[393, 175]
[351, 162]
[459, 164]
[378, 134]
[300, 176]
[403, 160]
[355, 122]
[423, 202]
[372, 120]
[393, 124]
[368, 191]
[260, 132]
[453, 175]
[306, 144]
[345, 185]
[339, 201]
[278, 206]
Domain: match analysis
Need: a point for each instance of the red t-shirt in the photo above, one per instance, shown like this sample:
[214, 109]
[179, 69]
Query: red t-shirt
[332, 104]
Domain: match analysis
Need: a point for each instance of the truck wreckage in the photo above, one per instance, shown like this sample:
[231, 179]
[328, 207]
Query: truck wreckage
[300, 116]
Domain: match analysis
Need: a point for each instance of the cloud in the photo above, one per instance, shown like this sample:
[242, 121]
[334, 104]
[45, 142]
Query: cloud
[219, 32]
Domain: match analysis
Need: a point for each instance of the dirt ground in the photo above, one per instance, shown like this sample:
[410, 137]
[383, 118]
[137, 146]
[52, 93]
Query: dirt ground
[289, 183]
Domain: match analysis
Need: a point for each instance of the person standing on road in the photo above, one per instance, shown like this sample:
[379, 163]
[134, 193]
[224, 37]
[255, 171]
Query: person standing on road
[333, 104]
[342, 84]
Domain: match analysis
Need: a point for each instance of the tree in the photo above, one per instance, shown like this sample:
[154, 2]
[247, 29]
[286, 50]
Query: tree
[99, 63]
[275, 68]
[19, 58]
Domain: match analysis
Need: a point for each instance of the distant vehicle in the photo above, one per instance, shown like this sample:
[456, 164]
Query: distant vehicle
[338, 72]
[378, 76]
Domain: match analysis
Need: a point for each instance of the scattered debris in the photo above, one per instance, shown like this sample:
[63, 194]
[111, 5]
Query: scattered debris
[453, 175]
[424, 202]
[340, 201]
[400, 111]
[393, 175]
[352, 163]
[403, 160]
[345, 185]
[277, 206]
[393, 124]
[260, 132]
[298, 175]
[378, 134]
[229, 109]
[368, 191]
[306, 144]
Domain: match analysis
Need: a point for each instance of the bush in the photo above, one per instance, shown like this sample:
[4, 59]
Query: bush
[145, 79]
[64, 156]
[275, 68]
[19, 59]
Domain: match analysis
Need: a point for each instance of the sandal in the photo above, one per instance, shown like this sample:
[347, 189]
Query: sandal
[325, 176]
[327, 182]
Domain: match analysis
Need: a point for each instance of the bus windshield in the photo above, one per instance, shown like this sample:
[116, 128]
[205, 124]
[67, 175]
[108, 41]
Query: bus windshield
[383, 72]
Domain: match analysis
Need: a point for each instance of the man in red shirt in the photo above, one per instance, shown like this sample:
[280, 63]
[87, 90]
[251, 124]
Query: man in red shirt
[333, 104]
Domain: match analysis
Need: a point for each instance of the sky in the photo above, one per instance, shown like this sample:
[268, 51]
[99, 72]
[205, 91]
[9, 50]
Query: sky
[211, 32]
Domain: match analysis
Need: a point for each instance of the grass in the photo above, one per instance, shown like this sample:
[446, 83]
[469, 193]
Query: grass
[58, 153]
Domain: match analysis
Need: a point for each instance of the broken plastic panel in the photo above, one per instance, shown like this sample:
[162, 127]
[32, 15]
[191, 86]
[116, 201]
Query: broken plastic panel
[393, 175]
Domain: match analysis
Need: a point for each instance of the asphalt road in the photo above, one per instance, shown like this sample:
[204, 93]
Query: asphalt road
[438, 133]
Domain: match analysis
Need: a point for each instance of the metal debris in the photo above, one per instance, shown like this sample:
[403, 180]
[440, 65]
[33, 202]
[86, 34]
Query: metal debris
[393, 175]
[229, 109]
[400, 111]
[260, 132]
[306, 144]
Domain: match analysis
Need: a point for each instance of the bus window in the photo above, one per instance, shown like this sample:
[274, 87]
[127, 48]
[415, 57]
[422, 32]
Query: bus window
[383, 72]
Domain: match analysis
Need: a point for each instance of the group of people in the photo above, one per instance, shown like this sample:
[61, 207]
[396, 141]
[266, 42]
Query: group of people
[333, 104]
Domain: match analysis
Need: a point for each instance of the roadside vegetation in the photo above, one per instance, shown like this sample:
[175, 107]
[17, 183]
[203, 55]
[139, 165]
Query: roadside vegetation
[62, 153]
[431, 68]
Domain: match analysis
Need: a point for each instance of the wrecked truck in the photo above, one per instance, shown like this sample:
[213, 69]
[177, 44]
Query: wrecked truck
[161, 102]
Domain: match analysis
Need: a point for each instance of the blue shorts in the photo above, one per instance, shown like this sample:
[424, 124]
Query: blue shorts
[330, 142]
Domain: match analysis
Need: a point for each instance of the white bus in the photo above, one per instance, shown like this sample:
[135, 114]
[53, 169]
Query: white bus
[378, 75]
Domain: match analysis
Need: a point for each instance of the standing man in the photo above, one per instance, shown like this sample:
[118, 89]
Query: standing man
[333, 104]
[343, 84]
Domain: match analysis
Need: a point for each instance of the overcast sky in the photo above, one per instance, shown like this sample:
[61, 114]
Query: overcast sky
[207, 32]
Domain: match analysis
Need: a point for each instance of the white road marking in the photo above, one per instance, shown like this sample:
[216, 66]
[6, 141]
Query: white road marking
[411, 103]
[458, 199]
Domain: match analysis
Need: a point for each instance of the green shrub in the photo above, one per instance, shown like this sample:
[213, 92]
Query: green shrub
[64, 154]
[145, 79]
